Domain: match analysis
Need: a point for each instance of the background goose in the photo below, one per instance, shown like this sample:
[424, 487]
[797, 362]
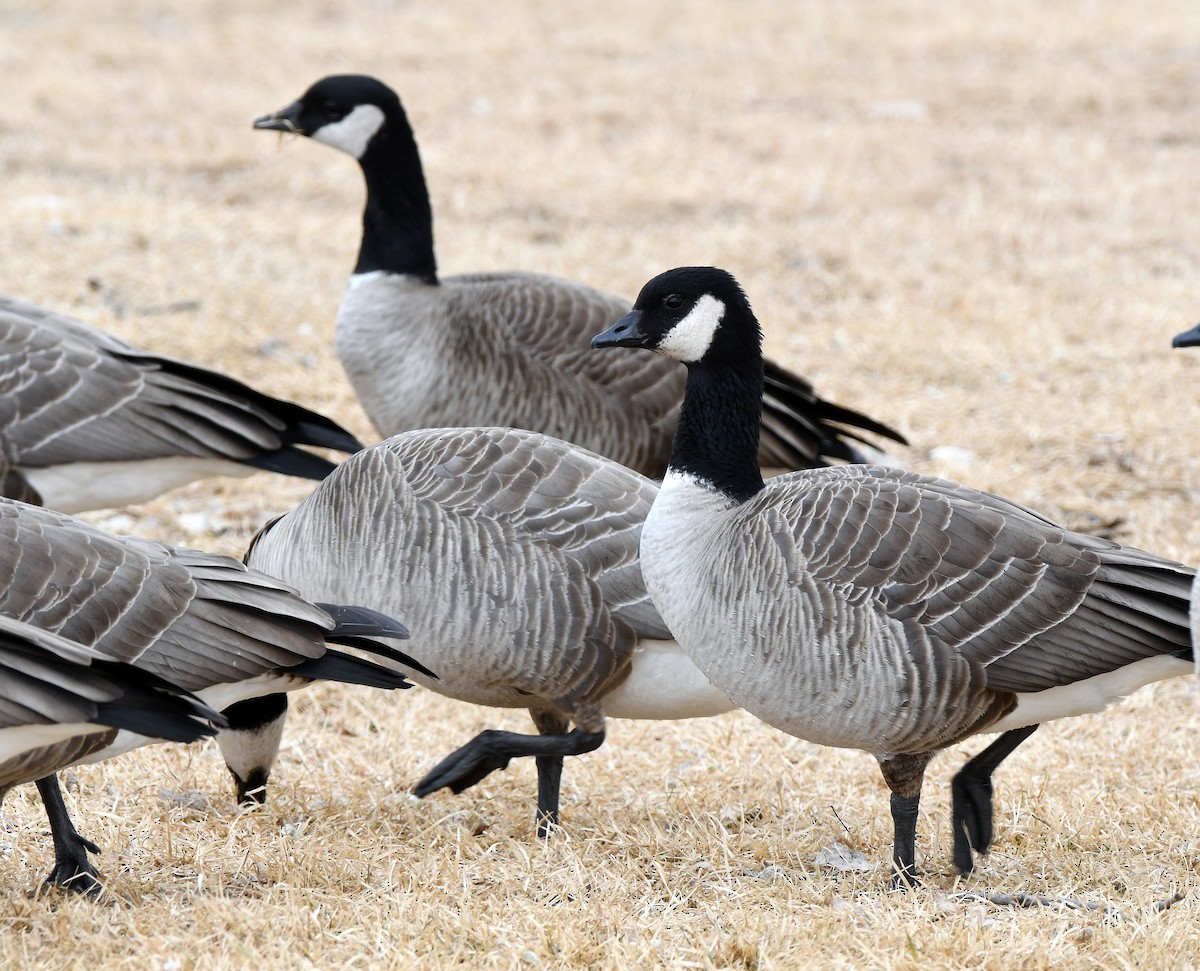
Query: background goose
[56, 695]
[871, 608]
[89, 422]
[514, 559]
[508, 348]
[1191, 338]
[203, 622]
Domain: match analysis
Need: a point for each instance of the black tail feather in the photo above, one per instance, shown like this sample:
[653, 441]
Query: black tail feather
[798, 417]
[291, 461]
[353, 621]
[358, 626]
[294, 424]
[382, 650]
[154, 707]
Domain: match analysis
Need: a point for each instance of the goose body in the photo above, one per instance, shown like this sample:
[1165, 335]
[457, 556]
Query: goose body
[514, 559]
[198, 621]
[873, 608]
[507, 349]
[88, 421]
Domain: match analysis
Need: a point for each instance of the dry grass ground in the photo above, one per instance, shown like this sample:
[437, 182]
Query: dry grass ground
[977, 222]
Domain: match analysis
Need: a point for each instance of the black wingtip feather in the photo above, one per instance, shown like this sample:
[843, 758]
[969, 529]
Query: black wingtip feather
[353, 621]
[300, 425]
[791, 401]
[291, 461]
[154, 707]
[382, 650]
[347, 669]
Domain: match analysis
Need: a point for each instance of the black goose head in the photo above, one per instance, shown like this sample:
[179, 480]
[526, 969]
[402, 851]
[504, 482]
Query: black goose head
[693, 314]
[1189, 338]
[346, 111]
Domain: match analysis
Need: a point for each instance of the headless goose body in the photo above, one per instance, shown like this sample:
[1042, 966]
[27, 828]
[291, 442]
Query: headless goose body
[61, 701]
[507, 349]
[200, 622]
[871, 608]
[88, 421]
[514, 557]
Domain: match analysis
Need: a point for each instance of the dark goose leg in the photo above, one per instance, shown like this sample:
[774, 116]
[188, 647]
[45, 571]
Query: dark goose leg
[72, 868]
[904, 775]
[490, 751]
[971, 798]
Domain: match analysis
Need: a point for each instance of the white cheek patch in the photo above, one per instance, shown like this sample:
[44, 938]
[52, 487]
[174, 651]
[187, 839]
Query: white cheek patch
[354, 132]
[689, 339]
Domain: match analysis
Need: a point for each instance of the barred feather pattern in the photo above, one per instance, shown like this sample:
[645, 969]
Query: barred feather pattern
[61, 701]
[196, 619]
[513, 558]
[58, 377]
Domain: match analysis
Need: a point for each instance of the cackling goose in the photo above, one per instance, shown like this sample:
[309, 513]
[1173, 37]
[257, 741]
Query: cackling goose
[514, 559]
[873, 608]
[200, 621]
[508, 349]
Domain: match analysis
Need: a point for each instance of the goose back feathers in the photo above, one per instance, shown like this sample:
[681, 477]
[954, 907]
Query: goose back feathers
[507, 349]
[515, 555]
[88, 421]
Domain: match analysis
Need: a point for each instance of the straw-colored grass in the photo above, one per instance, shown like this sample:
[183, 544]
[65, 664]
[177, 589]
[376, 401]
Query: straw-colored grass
[978, 222]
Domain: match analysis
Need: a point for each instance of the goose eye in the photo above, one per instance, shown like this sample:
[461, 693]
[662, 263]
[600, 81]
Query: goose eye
[673, 301]
[331, 108]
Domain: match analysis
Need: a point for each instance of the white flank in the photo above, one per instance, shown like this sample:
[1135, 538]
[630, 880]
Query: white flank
[22, 738]
[354, 132]
[126, 741]
[221, 696]
[689, 339]
[81, 486]
[664, 683]
[1091, 695]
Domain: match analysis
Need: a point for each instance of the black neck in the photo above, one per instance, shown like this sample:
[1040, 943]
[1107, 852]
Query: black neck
[717, 437]
[397, 221]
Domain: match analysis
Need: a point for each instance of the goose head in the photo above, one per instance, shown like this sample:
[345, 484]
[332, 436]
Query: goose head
[346, 111]
[692, 314]
[1189, 338]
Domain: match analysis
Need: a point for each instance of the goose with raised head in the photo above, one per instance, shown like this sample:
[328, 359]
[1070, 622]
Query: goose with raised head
[198, 620]
[514, 559]
[508, 349]
[1191, 338]
[872, 608]
[57, 696]
[89, 422]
